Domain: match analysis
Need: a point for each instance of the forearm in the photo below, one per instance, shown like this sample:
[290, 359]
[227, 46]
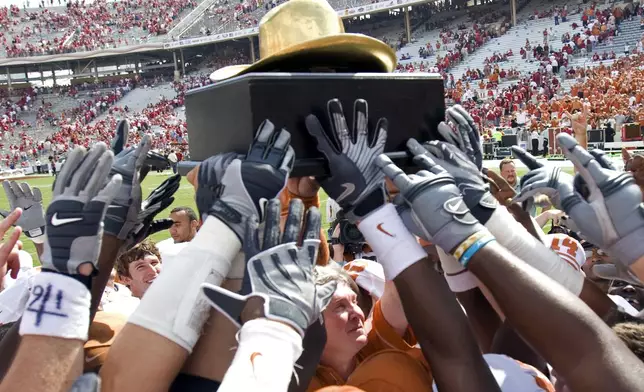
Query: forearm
[44, 364]
[543, 218]
[171, 315]
[214, 352]
[454, 357]
[557, 324]
[39, 249]
[481, 316]
[8, 348]
[638, 268]
[392, 309]
[109, 252]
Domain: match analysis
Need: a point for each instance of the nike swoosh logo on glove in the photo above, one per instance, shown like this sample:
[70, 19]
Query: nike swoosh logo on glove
[454, 208]
[348, 189]
[55, 221]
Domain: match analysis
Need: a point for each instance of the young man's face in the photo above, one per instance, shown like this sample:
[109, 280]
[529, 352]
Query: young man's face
[182, 229]
[142, 274]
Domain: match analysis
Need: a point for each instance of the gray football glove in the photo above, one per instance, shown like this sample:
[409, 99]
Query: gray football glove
[465, 135]
[280, 271]
[612, 216]
[122, 215]
[475, 191]
[75, 214]
[209, 178]
[436, 203]
[247, 184]
[548, 180]
[158, 200]
[32, 219]
[354, 182]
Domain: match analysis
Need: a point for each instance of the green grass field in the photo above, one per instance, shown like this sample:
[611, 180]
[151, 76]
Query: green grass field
[183, 197]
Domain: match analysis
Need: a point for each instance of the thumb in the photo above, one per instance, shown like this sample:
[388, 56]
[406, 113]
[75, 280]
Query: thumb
[228, 303]
[160, 225]
[4, 213]
[324, 294]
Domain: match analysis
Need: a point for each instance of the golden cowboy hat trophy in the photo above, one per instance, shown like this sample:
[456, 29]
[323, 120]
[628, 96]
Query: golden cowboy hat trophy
[310, 33]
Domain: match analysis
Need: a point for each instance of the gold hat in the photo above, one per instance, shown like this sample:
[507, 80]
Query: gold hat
[300, 34]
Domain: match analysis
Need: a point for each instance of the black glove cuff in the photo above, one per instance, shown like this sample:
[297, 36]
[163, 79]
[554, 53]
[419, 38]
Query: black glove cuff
[370, 203]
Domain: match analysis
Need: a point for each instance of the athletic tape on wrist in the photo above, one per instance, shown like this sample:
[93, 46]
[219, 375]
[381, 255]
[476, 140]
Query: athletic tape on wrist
[174, 306]
[515, 238]
[58, 306]
[395, 247]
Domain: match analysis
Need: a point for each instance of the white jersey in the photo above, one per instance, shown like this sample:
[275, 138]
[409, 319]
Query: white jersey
[568, 249]
[515, 376]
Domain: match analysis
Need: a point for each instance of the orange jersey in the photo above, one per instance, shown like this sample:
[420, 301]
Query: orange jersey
[388, 362]
[102, 331]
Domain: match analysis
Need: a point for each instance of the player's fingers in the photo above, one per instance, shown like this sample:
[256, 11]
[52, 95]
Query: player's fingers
[397, 176]
[9, 221]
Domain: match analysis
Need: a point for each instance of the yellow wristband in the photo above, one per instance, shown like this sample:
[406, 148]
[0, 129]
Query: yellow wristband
[458, 253]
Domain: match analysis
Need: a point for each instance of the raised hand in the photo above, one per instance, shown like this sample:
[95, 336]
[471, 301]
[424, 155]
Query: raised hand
[280, 271]
[612, 216]
[463, 134]
[122, 215]
[157, 201]
[354, 183]
[247, 184]
[75, 214]
[8, 255]
[448, 157]
[208, 180]
[548, 180]
[436, 203]
[501, 190]
[29, 200]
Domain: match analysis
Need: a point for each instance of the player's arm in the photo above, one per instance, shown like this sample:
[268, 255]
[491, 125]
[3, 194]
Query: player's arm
[55, 324]
[163, 331]
[477, 251]
[454, 356]
[273, 317]
[567, 333]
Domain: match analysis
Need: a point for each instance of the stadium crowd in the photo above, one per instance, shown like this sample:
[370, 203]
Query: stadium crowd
[436, 276]
[81, 26]
[490, 280]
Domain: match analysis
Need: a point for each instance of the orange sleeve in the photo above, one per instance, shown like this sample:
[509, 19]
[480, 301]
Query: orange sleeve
[383, 336]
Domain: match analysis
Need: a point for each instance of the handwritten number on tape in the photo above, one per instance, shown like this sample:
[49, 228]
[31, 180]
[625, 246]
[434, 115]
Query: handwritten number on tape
[44, 304]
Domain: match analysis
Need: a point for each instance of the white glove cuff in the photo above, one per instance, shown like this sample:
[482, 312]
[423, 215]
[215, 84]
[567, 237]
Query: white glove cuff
[58, 306]
[394, 245]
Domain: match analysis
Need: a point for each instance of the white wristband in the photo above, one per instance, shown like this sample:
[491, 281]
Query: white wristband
[395, 247]
[58, 306]
[264, 359]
